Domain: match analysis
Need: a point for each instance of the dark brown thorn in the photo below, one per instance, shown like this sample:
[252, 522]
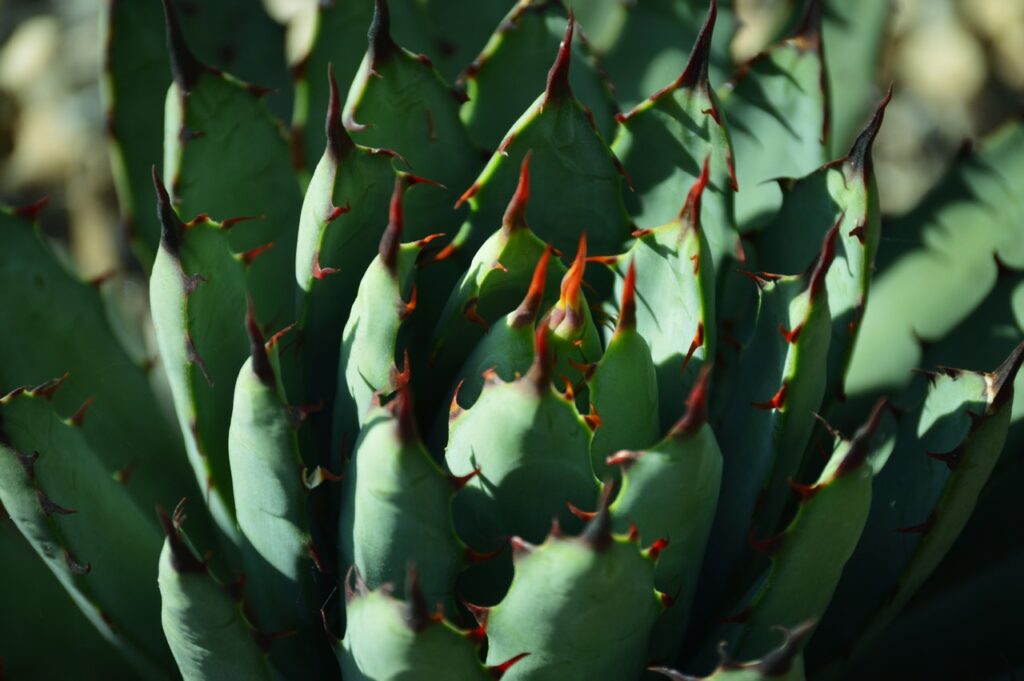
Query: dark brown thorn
[777, 401]
[379, 36]
[790, 336]
[951, 459]
[825, 258]
[624, 458]
[598, 532]
[31, 211]
[276, 338]
[543, 365]
[698, 341]
[401, 408]
[779, 661]
[498, 670]
[859, 157]
[691, 208]
[312, 479]
[573, 279]
[124, 474]
[520, 547]
[593, 419]
[185, 68]
[453, 408]
[76, 567]
[627, 310]
[48, 388]
[392, 239]
[78, 418]
[672, 674]
[257, 349]
[515, 213]
[526, 313]
[338, 140]
[265, 639]
[231, 222]
[469, 311]
[171, 227]
[249, 256]
[182, 558]
[697, 407]
[805, 492]
[480, 613]
[467, 195]
[832, 430]
[416, 614]
[320, 273]
[999, 383]
[28, 462]
[655, 549]
[696, 72]
[569, 393]
[807, 35]
[460, 481]
[473, 556]
[360, 585]
[860, 445]
[407, 308]
[859, 232]
[50, 508]
[558, 87]
[192, 356]
[921, 528]
[769, 546]
[586, 516]
[336, 212]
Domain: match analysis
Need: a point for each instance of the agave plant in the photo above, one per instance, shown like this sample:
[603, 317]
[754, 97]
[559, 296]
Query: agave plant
[469, 393]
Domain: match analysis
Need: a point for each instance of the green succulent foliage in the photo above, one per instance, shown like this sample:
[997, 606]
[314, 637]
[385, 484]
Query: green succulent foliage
[569, 254]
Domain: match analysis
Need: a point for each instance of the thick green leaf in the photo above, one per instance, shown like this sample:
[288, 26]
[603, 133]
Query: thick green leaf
[124, 422]
[936, 262]
[577, 180]
[503, 79]
[82, 522]
[777, 108]
[665, 141]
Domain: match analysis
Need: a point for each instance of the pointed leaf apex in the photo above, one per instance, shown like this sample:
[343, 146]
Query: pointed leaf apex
[558, 87]
[598, 532]
[171, 227]
[825, 258]
[338, 139]
[543, 361]
[515, 214]
[696, 72]
[379, 35]
[859, 157]
[527, 310]
[392, 238]
[185, 68]
[257, 348]
[860, 444]
[1000, 381]
[182, 558]
[697, 407]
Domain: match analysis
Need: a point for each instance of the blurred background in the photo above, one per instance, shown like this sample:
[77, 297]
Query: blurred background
[958, 68]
